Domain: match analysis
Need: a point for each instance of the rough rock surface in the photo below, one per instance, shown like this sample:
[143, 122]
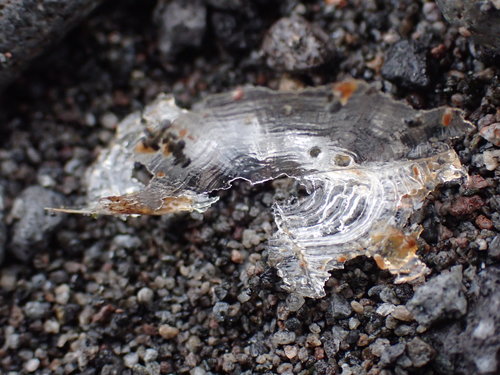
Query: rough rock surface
[27, 27]
[442, 297]
[293, 44]
[33, 223]
[406, 64]
[478, 17]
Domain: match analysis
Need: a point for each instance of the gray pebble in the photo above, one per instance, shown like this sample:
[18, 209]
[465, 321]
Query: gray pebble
[338, 308]
[34, 223]
[145, 295]
[181, 24]
[419, 352]
[220, 311]
[439, 298]
[293, 44]
[283, 338]
[36, 310]
[391, 353]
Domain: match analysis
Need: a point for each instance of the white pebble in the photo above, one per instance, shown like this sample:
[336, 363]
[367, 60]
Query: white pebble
[131, 360]
[145, 295]
[32, 365]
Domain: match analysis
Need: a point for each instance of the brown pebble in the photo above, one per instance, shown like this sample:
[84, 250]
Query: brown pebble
[363, 340]
[465, 205]
[461, 242]
[400, 312]
[103, 314]
[167, 331]
[491, 133]
[319, 353]
[483, 222]
[237, 257]
[357, 307]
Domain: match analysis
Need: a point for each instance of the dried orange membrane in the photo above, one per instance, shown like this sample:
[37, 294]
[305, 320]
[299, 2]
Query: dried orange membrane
[366, 160]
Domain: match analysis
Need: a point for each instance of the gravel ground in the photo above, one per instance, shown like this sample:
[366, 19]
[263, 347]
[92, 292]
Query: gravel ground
[193, 293]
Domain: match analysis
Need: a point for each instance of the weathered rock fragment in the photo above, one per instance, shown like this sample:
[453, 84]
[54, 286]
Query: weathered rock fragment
[406, 64]
[294, 44]
[32, 222]
[481, 18]
[28, 27]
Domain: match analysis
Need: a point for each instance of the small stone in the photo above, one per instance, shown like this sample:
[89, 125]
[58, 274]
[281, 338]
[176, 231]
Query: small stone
[285, 368]
[354, 323]
[491, 133]
[193, 343]
[168, 332]
[145, 295]
[181, 25]
[491, 159]
[420, 352]
[406, 64]
[228, 362]
[51, 326]
[150, 355]
[363, 340]
[290, 351]
[439, 298]
[36, 310]
[250, 238]
[62, 294]
[294, 302]
[294, 44]
[312, 340]
[131, 359]
[404, 330]
[338, 308]
[391, 353]
[283, 338]
[34, 223]
[385, 309]
[220, 311]
[32, 365]
[357, 307]
[400, 312]
[465, 205]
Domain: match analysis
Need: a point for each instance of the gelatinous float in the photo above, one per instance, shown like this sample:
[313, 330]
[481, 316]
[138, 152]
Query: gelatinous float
[366, 161]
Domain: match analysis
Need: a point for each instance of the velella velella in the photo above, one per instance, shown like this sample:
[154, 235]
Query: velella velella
[367, 162]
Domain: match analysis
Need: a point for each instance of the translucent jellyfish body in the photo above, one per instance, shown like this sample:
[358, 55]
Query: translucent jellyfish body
[366, 161]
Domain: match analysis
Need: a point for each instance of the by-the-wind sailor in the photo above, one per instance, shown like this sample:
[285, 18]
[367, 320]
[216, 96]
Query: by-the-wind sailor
[366, 160]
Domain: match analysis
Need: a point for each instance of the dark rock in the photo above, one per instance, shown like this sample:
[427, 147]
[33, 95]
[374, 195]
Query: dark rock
[439, 298]
[294, 44]
[406, 64]
[479, 17]
[28, 27]
[240, 29]
[419, 352]
[34, 222]
[181, 24]
[339, 308]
